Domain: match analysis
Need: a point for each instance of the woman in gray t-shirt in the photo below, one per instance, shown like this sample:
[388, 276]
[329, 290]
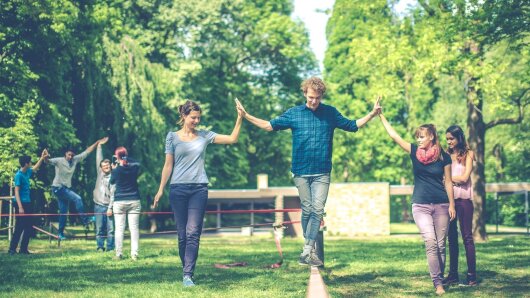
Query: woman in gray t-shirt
[188, 195]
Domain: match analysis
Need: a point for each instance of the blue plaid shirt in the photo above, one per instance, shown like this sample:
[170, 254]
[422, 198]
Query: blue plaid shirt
[312, 136]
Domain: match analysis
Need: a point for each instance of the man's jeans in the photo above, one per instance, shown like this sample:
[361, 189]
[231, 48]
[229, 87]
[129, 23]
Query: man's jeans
[188, 202]
[131, 210]
[104, 227]
[433, 222]
[313, 192]
[64, 195]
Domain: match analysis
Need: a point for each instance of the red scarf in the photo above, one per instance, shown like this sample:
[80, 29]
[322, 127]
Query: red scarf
[429, 155]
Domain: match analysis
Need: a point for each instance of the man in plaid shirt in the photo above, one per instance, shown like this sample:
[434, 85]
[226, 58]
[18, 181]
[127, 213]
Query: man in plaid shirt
[312, 125]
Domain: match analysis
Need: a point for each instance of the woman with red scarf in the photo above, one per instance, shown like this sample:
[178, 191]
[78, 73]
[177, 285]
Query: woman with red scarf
[433, 205]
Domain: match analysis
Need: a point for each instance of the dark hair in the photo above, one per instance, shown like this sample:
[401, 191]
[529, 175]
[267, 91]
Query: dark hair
[186, 108]
[69, 149]
[23, 160]
[121, 155]
[461, 149]
[104, 161]
[314, 83]
[431, 129]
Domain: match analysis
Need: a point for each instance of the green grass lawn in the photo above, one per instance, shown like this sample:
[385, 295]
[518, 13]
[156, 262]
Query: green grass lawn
[382, 266]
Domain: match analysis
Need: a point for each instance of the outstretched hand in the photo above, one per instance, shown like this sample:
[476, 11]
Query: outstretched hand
[377, 110]
[103, 140]
[44, 154]
[240, 109]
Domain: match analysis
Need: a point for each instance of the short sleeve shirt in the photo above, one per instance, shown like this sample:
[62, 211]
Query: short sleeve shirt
[429, 186]
[188, 157]
[22, 181]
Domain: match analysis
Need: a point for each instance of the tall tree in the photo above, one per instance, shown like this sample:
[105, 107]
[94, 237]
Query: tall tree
[476, 28]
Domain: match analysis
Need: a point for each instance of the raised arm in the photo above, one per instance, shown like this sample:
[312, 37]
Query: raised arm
[43, 156]
[469, 168]
[263, 124]
[394, 135]
[93, 146]
[232, 138]
[448, 183]
[99, 154]
[375, 111]
[166, 172]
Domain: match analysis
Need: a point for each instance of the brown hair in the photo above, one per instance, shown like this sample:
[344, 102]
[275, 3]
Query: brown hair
[186, 108]
[314, 83]
[431, 130]
[462, 148]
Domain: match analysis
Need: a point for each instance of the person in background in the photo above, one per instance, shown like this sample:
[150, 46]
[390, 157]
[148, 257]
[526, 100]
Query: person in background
[62, 183]
[462, 166]
[125, 201]
[24, 224]
[104, 223]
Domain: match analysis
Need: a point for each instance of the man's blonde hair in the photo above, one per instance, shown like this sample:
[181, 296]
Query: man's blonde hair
[314, 83]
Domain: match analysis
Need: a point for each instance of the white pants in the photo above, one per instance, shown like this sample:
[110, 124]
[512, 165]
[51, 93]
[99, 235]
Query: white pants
[131, 209]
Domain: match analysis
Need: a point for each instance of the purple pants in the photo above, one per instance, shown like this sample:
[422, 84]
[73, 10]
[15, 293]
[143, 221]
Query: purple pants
[433, 220]
[464, 212]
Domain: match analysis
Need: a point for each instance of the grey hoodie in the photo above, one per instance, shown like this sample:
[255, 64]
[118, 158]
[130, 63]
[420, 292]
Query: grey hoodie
[102, 190]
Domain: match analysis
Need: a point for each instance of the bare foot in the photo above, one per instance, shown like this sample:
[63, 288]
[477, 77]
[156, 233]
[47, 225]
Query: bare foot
[440, 290]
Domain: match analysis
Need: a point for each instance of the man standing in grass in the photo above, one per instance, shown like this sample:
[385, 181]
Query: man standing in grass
[312, 125]
[24, 224]
[104, 223]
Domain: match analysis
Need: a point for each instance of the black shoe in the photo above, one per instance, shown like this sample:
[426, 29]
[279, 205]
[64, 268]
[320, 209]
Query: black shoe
[24, 252]
[450, 279]
[310, 259]
[471, 281]
[11, 252]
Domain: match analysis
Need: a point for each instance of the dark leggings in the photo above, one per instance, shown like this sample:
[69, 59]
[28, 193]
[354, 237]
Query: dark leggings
[464, 212]
[188, 202]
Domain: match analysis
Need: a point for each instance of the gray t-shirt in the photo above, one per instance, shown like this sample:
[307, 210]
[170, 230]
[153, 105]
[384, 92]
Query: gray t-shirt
[188, 157]
[65, 170]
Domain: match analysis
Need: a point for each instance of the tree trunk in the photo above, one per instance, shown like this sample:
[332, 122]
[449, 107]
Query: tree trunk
[477, 134]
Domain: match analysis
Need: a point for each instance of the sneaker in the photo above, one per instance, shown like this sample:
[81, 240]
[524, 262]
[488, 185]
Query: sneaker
[187, 282]
[450, 279]
[471, 281]
[61, 237]
[311, 260]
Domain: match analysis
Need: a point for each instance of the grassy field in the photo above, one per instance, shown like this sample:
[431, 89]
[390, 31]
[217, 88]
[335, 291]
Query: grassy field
[392, 266]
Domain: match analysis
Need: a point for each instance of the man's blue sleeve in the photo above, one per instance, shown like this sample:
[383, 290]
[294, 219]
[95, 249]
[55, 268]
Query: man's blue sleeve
[282, 122]
[345, 123]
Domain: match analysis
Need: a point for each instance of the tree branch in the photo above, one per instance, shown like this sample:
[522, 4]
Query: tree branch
[520, 117]
[427, 8]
